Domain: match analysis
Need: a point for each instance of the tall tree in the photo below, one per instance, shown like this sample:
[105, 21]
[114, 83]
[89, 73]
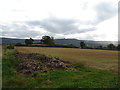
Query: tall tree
[111, 46]
[100, 47]
[118, 47]
[47, 40]
[29, 41]
[82, 45]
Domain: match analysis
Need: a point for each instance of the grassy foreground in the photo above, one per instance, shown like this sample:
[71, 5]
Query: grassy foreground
[84, 78]
[100, 59]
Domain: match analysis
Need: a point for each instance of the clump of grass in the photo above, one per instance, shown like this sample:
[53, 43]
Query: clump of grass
[11, 46]
[56, 57]
[9, 62]
[79, 66]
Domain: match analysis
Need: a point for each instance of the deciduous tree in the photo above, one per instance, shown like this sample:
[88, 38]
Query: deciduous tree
[47, 40]
[82, 45]
[29, 41]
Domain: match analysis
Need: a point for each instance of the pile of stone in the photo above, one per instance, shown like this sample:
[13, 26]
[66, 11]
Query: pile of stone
[33, 62]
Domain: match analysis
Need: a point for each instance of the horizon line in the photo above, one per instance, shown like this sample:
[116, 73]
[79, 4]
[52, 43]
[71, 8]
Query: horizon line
[55, 38]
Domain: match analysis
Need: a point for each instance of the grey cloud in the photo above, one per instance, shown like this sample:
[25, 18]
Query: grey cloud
[60, 26]
[17, 31]
[86, 30]
[104, 11]
[53, 26]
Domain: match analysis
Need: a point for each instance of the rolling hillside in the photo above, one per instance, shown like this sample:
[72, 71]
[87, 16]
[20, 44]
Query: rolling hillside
[61, 41]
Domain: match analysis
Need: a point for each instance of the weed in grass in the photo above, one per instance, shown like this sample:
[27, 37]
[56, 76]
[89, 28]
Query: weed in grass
[79, 66]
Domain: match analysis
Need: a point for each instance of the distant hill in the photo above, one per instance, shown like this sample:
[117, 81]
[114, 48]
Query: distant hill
[88, 42]
[62, 41]
[13, 41]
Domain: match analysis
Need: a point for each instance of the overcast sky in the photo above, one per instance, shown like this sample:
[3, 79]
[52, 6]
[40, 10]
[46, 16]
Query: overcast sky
[80, 19]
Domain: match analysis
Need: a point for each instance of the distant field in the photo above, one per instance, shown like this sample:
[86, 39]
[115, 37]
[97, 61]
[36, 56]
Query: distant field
[101, 59]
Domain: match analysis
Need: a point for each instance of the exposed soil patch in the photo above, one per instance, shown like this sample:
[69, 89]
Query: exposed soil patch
[33, 62]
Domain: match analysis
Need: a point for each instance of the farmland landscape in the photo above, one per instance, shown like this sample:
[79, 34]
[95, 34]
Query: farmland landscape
[59, 44]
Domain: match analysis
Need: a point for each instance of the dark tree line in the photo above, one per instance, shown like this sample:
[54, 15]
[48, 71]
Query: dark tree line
[45, 40]
[108, 47]
[49, 41]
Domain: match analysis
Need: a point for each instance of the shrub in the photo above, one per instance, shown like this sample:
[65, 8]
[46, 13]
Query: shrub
[10, 46]
[79, 66]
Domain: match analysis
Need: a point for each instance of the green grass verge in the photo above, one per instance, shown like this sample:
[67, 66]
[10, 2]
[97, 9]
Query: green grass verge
[84, 78]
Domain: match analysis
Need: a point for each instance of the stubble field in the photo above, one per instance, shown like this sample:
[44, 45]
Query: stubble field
[100, 59]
